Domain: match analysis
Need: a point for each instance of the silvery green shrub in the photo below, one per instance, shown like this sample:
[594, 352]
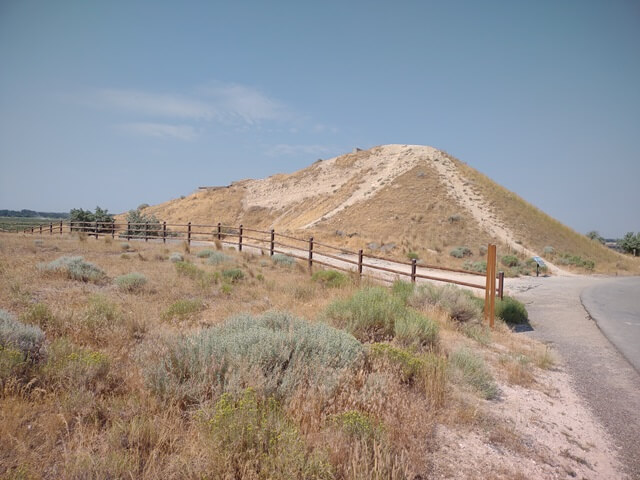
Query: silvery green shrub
[131, 282]
[216, 258]
[275, 353]
[15, 334]
[75, 268]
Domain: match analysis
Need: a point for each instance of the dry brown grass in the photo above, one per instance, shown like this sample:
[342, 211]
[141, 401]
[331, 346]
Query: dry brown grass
[89, 413]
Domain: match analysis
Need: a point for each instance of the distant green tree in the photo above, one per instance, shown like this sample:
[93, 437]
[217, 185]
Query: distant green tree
[594, 235]
[630, 242]
[141, 224]
[83, 219]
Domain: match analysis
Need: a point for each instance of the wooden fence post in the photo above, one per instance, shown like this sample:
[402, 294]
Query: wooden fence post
[189, 233]
[50, 228]
[501, 285]
[60, 227]
[413, 270]
[493, 287]
[273, 241]
[40, 229]
[240, 239]
[219, 231]
[96, 232]
[360, 263]
[128, 230]
[490, 286]
[146, 231]
[310, 253]
[164, 232]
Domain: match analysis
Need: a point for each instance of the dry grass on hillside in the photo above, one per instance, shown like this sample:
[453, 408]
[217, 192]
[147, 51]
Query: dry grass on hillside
[537, 230]
[124, 388]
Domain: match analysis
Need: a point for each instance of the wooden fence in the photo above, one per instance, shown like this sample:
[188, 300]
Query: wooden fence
[240, 237]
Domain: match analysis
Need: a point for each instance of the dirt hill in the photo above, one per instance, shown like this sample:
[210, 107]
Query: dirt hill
[398, 199]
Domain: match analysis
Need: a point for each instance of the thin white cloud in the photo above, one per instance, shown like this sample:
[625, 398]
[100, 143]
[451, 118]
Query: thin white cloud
[153, 104]
[284, 149]
[161, 130]
[247, 104]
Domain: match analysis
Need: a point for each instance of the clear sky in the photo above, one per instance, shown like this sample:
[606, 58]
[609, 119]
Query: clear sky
[118, 103]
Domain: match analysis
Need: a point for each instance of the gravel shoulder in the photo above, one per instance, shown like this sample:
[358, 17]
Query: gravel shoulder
[601, 376]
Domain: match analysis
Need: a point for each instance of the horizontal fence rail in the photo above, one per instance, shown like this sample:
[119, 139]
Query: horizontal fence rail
[240, 237]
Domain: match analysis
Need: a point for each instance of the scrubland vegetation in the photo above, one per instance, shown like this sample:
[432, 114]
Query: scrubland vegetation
[215, 364]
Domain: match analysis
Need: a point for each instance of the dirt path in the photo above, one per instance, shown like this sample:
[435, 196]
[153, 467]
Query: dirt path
[464, 194]
[600, 374]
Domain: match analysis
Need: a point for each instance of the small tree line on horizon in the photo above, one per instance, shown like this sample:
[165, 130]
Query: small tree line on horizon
[24, 213]
[104, 220]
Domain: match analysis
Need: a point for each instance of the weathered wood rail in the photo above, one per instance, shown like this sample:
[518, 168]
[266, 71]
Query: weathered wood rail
[242, 237]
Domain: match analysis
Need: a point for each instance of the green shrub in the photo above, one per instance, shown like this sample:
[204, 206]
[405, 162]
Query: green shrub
[478, 332]
[408, 363]
[510, 261]
[480, 267]
[283, 260]
[216, 258]
[205, 253]
[202, 278]
[176, 257]
[252, 435]
[74, 268]
[358, 425]
[575, 260]
[38, 314]
[402, 290]
[471, 370]
[276, 352]
[549, 250]
[460, 252]
[233, 275]
[630, 242]
[412, 256]
[460, 304]
[416, 330]
[71, 367]
[183, 308]
[511, 310]
[125, 246]
[330, 278]
[370, 314]
[426, 370]
[15, 335]
[131, 282]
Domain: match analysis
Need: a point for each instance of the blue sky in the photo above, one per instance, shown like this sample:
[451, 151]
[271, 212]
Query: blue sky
[126, 102]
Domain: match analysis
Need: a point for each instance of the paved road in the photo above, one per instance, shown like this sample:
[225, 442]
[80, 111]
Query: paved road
[607, 382]
[615, 307]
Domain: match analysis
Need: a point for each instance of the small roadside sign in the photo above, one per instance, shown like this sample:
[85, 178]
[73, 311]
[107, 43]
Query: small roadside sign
[539, 261]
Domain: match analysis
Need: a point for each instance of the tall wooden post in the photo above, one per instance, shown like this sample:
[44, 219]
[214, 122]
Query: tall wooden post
[490, 286]
[273, 241]
[413, 270]
[164, 232]
[360, 263]
[219, 231]
[189, 233]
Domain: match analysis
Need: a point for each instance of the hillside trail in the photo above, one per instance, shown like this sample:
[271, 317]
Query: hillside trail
[460, 189]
